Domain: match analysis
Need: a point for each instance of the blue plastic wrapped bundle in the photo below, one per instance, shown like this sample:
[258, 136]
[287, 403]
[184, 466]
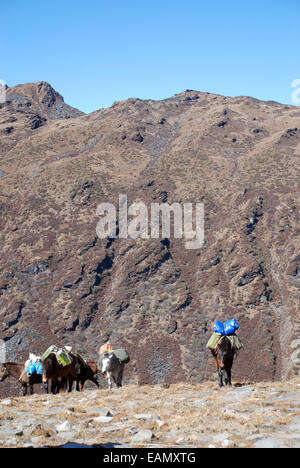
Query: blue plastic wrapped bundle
[230, 326]
[38, 368]
[31, 370]
[219, 327]
[227, 328]
[34, 368]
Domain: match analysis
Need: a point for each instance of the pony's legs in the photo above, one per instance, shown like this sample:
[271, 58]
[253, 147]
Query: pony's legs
[71, 379]
[119, 381]
[46, 386]
[119, 378]
[109, 380]
[63, 384]
[77, 385]
[54, 387]
[24, 389]
[228, 377]
[220, 374]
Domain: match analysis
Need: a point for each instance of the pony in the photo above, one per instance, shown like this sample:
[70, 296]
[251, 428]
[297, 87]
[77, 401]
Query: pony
[113, 369]
[55, 372]
[85, 370]
[17, 371]
[64, 376]
[223, 354]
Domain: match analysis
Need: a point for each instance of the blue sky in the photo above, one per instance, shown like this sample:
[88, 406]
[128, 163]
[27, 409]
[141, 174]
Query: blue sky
[95, 52]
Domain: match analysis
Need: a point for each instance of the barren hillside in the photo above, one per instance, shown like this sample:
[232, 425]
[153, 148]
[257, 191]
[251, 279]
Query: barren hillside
[60, 283]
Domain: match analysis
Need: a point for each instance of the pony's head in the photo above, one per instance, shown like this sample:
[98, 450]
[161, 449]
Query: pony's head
[106, 362]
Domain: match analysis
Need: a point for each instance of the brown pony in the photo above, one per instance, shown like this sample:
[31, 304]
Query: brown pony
[18, 372]
[223, 354]
[86, 370]
[55, 372]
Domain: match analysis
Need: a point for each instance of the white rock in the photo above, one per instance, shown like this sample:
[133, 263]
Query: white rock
[221, 437]
[103, 419]
[65, 426]
[142, 436]
[267, 442]
[159, 422]
[182, 440]
[227, 443]
[146, 417]
[7, 401]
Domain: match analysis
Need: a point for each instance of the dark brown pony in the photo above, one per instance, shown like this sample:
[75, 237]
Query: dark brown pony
[55, 372]
[223, 354]
[17, 371]
[85, 370]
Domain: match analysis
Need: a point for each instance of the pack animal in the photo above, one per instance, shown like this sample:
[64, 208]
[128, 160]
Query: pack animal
[85, 370]
[17, 371]
[55, 372]
[223, 355]
[113, 369]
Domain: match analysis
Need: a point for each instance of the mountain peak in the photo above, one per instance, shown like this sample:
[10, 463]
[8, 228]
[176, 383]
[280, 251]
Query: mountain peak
[43, 96]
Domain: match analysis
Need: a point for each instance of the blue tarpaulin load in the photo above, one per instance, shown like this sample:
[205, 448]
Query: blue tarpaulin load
[227, 328]
[219, 327]
[230, 326]
[34, 368]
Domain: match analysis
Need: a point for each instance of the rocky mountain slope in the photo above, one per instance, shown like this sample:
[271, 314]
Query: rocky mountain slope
[60, 283]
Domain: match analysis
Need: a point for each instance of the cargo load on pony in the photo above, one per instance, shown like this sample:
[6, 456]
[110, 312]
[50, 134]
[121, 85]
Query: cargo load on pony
[228, 329]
